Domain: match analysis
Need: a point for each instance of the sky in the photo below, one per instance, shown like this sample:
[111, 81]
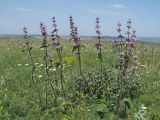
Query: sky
[145, 16]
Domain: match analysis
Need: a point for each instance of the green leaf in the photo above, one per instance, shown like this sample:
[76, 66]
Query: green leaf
[69, 59]
[57, 64]
[100, 56]
[121, 36]
[126, 101]
[74, 48]
[101, 107]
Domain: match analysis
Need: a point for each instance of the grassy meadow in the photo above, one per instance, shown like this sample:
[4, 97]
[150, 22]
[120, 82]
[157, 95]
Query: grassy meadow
[19, 97]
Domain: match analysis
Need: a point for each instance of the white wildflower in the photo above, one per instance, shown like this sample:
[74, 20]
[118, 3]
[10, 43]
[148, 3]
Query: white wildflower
[36, 63]
[19, 64]
[40, 76]
[26, 64]
[40, 65]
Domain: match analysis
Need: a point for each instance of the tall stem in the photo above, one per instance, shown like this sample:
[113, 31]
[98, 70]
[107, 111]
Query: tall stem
[80, 65]
[100, 55]
[33, 71]
[61, 69]
[59, 52]
[47, 69]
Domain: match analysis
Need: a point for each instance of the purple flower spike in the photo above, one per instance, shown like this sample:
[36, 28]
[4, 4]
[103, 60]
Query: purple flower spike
[25, 31]
[115, 43]
[98, 45]
[98, 26]
[129, 21]
[129, 24]
[97, 20]
[74, 32]
[119, 30]
[119, 27]
[119, 24]
[54, 36]
[43, 30]
[133, 36]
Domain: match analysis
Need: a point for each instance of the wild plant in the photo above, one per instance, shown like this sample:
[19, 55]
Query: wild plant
[109, 92]
[28, 46]
[125, 79]
[99, 44]
[74, 35]
[142, 113]
[102, 83]
[56, 45]
[47, 58]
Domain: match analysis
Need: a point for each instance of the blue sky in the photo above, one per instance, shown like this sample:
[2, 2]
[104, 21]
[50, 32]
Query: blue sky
[14, 14]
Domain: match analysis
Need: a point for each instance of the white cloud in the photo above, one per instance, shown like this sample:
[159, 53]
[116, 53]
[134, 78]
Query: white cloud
[118, 6]
[103, 12]
[24, 9]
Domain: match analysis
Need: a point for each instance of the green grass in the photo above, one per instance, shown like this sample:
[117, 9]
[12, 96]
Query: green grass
[19, 101]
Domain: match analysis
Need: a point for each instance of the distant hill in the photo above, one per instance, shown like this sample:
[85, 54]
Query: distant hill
[109, 38]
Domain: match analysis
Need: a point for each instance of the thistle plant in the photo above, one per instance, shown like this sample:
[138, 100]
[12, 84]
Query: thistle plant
[56, 44]
[29, 48]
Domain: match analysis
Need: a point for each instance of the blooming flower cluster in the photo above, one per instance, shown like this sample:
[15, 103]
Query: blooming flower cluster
[98, 26]
[43, 30]
[54, 36]
[98, 45]
[74, 32]
[116, 43]
[25, 32]
[44, 34]
[130, 40]
[27, 45]
[131, 37]
[119, 27]
[136, 63]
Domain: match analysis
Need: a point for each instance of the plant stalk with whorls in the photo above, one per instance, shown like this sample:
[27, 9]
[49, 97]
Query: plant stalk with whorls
[99, 44]
[56, 44]
[29, 48]
[125, 49]
[47, 58]
[77, 40]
